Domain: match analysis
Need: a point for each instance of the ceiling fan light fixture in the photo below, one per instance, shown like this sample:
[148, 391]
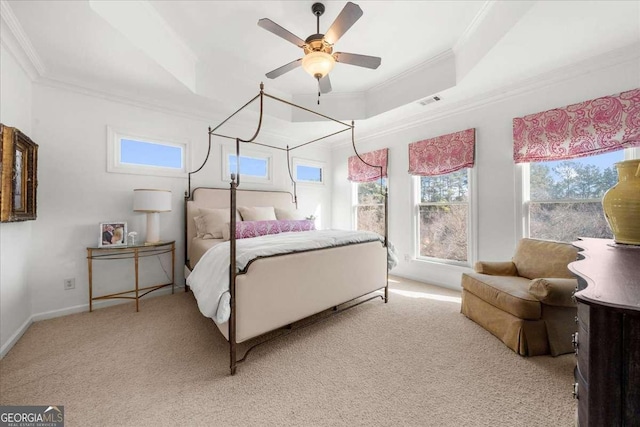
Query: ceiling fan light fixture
[318, 64]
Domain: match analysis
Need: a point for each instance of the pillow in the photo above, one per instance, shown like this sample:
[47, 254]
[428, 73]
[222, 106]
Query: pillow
[258, 213]
[248, 229]
[288, 214]
[289, 225]
[210, 222]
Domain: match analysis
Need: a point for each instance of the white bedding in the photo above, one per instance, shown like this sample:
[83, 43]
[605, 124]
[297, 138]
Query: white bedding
[209, 280]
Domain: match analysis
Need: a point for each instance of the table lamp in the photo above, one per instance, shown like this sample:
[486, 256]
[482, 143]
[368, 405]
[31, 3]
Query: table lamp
[152, 202]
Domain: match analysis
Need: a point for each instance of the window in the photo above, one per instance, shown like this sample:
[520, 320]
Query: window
[368, 206]
[308, 171]
[254, 165]
[129, 153]
[565, 196]
[443, 217]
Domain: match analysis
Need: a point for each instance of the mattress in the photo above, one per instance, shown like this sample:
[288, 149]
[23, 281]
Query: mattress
[199, 247]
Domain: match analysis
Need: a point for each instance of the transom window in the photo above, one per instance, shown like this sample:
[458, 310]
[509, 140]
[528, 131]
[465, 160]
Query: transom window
[128, 153]
[255, 166]
[442, 216]
[308, 171]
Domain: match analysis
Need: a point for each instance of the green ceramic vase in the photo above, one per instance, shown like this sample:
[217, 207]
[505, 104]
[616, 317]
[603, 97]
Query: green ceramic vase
[621, 203]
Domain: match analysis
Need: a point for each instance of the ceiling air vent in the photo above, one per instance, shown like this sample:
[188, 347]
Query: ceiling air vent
[429, 100]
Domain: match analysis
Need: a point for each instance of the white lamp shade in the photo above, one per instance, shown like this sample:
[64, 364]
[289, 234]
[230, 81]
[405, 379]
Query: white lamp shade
[151, 200]
[318, 64]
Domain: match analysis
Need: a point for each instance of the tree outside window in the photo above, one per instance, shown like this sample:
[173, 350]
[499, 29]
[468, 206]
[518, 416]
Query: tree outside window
[369, 206]
[566, 197]
[443, 216]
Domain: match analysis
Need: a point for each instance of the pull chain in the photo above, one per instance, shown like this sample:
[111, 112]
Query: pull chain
[318, 78]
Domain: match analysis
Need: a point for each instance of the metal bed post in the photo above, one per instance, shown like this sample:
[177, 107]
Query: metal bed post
[385, 193]
[232, 266]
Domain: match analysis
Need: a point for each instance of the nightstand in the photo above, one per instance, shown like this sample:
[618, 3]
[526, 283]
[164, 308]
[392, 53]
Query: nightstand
[134, 252]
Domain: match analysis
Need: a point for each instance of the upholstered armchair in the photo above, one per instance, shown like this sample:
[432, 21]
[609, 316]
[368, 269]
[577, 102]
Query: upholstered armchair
[526, 302]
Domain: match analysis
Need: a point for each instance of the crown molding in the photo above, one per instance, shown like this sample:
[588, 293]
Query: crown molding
[473, 25]
[212, 119]
[21, 46]
[420, 68]
[630, 53]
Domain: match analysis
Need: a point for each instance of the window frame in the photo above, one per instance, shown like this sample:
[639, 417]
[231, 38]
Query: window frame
[523, 196]
[297, 161]
[250, 153]
[115, 165]
[472, 219]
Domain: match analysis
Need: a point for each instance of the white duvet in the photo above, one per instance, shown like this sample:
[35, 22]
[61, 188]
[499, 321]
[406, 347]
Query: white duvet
[209, 280]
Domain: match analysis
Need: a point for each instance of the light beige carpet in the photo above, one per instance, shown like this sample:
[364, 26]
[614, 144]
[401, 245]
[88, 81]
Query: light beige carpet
[415, 361]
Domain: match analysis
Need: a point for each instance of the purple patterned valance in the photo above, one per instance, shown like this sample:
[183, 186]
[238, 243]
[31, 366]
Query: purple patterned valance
[361, 172]
[442, 154]
[592, 127]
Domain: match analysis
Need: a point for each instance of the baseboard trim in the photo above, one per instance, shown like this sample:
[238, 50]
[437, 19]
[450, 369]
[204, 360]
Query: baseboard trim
[15, 337]
[71, 310]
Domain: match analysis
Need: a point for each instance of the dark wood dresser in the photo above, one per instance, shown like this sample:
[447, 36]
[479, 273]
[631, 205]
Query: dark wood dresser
[607, 341]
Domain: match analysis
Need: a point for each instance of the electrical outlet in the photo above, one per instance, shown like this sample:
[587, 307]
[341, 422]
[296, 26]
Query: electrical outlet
[407, 257]
[69, 284]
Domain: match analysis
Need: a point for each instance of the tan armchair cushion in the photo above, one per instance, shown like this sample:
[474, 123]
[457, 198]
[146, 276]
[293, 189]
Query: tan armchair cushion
[552, 291]
[498, 268]
[540, 258]
[510, 294]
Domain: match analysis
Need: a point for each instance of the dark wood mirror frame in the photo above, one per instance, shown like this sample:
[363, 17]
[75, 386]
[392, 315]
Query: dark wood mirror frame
[18, 172]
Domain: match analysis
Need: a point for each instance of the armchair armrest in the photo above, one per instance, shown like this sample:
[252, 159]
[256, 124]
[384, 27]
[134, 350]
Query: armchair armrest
[554, 291]
[500, 268]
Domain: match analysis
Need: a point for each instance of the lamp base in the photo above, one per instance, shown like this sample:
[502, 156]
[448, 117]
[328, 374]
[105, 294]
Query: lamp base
[153, 228]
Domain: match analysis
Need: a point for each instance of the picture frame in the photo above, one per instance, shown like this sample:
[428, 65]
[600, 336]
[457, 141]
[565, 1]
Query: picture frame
[18, 175]
[112, 234]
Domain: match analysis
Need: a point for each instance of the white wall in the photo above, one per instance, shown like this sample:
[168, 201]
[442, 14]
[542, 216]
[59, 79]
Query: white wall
[496, 186]
[76, 192]
[15, 111]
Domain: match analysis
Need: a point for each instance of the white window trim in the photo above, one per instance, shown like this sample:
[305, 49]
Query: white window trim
[114, 136]
[523, 193]
[472, 223]
[255, 154]
[311, 163]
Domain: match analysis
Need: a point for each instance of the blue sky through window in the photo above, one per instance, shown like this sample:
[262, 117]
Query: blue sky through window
[249, 166]
[602, 161]
[308, 173]
[150, 154]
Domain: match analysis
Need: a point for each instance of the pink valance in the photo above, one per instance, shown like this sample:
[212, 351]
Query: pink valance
[592, 127]
[443, 154]
[361, 172]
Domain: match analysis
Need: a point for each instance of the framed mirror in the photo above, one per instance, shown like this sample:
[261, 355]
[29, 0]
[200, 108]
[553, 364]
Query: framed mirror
[18, 171]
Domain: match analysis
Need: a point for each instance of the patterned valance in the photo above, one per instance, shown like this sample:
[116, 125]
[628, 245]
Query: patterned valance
[592, 127]
[361, 172]
[442, 154]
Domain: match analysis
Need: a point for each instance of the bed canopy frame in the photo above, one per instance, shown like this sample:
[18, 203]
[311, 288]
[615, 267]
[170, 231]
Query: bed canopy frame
[233, 187]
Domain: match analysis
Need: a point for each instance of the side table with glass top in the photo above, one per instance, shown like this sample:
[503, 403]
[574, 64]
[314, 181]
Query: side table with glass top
[134, 252]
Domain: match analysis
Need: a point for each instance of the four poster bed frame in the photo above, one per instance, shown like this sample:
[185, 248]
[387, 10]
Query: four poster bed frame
[272, 293]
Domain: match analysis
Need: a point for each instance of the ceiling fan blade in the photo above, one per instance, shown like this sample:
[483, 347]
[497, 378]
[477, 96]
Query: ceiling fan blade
[347, 17]
[325, 84]
[366, 61]
[284, 69]
[276, 29]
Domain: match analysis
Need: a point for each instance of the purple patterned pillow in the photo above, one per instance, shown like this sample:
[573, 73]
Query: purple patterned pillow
[296, 225]
[248, 229]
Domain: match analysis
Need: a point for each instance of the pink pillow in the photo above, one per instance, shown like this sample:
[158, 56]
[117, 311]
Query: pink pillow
[248, 229]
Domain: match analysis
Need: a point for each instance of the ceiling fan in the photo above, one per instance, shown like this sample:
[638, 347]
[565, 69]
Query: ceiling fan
[319, 58]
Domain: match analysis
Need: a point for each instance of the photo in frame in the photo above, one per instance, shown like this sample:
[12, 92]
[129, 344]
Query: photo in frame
[18, 174]
[112, 233]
